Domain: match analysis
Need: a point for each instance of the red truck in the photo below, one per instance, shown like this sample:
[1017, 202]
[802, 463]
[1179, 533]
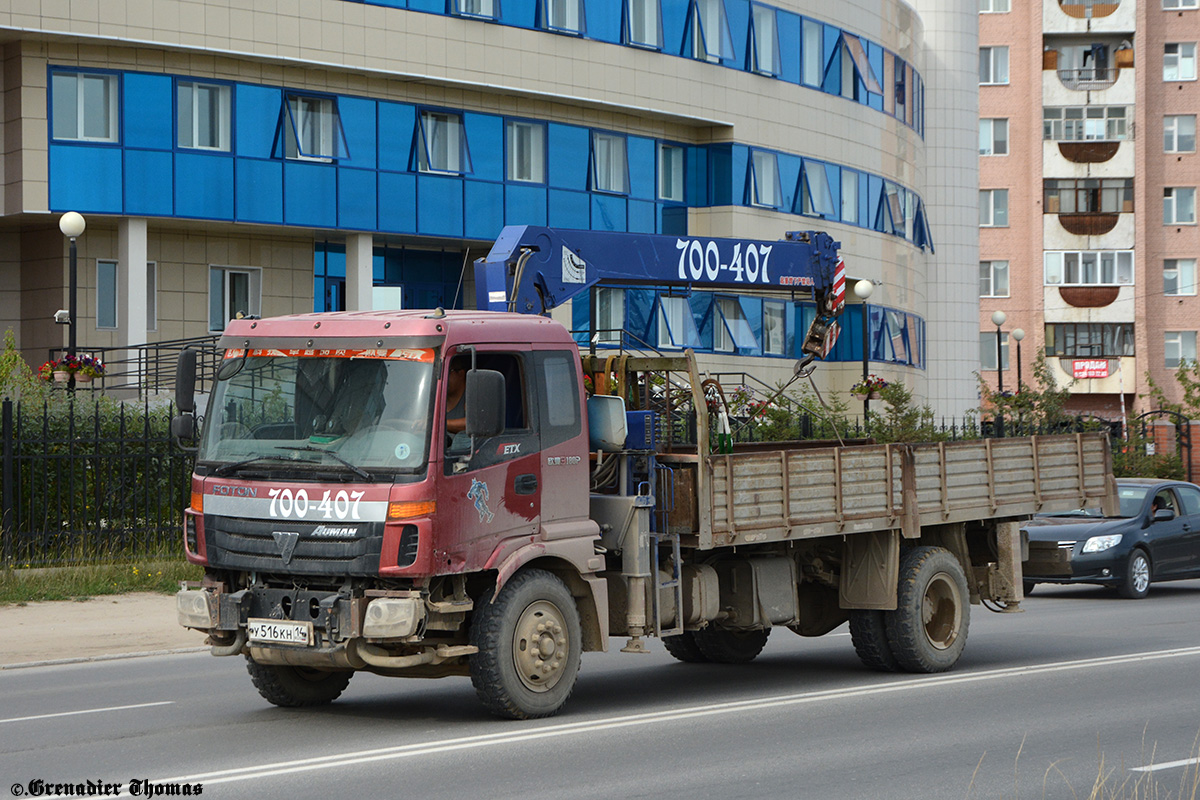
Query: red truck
[430, 493]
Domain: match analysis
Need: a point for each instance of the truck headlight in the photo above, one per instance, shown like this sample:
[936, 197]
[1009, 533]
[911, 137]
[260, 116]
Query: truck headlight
[392, 617]
[1098, 544]
[194, 610]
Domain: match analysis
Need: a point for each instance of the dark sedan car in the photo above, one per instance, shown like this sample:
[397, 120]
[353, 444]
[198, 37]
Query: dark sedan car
[1156, 537]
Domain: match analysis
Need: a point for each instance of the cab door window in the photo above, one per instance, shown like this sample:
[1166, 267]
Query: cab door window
[518, 437]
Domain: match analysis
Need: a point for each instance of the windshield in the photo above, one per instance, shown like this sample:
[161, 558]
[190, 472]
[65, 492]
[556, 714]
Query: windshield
[1131, 497]
[349, 411]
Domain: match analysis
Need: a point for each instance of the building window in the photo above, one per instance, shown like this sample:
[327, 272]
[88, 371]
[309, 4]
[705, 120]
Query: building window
[1179, 205]
[1088, 268]
[993, 137]
[1087, 196]
[526, 151]
[1082, 123]
[993, 65]
[987, 350]
[993, 208]
[610, 316]
[609, 166]
[474, 8]
[811, 58]
[1179, 61]
[993, 6]
[85, 106]
[563, 15]
[731, 329]
[766, 44]
[1179, 133]
[993, 279]
[774, 328]
[203, 115]
[314, 131]
[1171, 5]
[106, 295]
[670, 173]
[816, 200]
[1089, 339]
[1179, 347]
[232, 292]
[765, 191]
[1179, 276]
[676, 328]
[711, 40]
[441, 144]
[642, 23]
[849, 196]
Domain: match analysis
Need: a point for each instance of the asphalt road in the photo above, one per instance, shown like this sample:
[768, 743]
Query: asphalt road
[1082, 686]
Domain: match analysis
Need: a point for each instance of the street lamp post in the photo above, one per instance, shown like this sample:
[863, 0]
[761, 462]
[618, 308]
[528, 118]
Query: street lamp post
[1018, 334]
[72, 224]
[998, 318]
[862, 290]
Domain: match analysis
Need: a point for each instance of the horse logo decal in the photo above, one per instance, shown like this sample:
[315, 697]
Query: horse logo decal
[479, 493]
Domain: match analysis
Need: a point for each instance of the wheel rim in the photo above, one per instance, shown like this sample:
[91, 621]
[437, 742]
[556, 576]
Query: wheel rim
[1140, 573]
[941, 611]
[540, 646]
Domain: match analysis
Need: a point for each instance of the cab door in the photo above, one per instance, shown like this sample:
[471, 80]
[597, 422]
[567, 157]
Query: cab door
[1169, 549]
[1189, 498]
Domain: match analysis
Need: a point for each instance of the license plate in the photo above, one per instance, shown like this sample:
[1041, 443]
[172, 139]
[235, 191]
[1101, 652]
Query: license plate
[279, 631]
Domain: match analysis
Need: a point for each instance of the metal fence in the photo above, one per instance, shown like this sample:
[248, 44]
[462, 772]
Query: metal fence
[87, 480]
[144, 370]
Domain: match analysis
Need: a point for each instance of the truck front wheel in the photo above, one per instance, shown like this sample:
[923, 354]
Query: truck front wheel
[529, 642]
[293, 687]
[928, 630]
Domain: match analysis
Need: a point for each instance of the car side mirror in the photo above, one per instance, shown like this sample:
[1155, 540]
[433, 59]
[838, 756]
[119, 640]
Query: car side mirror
[485, 412]
[1163, 515]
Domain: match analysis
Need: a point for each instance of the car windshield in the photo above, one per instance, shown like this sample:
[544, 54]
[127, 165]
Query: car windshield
[348, 411]
[1132, 498]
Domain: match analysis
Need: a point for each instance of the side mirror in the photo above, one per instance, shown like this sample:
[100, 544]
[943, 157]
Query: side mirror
[485, 411]
[185, 382]
[183, 426]
[1163, 515]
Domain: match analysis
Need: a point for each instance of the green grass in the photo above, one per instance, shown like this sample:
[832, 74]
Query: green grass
[149, 574]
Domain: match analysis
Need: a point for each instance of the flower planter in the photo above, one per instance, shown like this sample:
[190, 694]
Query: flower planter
[874, 396]
[61, 376]
[81, 377]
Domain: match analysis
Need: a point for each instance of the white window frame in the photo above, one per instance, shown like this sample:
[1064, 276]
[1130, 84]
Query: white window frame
[108, 283]
[993, 60]
[766, 40]
[708, 30]
[1179, 205]
[988, 139]
[225, 275]
[526, 151]
[994, 6]
[610, 163]
[987, 350]
[765, 191]
[674, 316]
[1088, 268]
[643, 23]
[671, 160]
[610, 314]
[774, 338]
[83, 85]
[311, 120]
[991, 275]
[1179, 277]
[1178, 346]
[481, 9]
[565, 16]
[442, 144]
[849, 196]
[189, 99]
[1179, 61]
[730, 326]
[1175, 129]
[1172, 5]
[812, 48]
[816, 199]
[991, 210]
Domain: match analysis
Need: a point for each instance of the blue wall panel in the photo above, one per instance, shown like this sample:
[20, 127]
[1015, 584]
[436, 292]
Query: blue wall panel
[148, 183]
[358, 121]
[569, 210]
[203, 186]
[569, 150]
[695, 186]
[674, 19]
[310, 194]
[789, 177]
[609, 213]
[397, 203]
[85, 179]
[146, 106]
[356, 196]
[396, 125]
[439, 205]
[721, 175]
[738, 14]
[257, 118]
[432, 6]
[604, 21]
[390, 3]
[521, 13]
[642, 171]
[643, 217]
[485, 138]
[789, 45]
[524, 204]
[259, 186]
[484, 203]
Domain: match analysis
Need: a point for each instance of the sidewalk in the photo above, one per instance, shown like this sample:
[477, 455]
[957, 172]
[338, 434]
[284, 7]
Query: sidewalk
[112, 625]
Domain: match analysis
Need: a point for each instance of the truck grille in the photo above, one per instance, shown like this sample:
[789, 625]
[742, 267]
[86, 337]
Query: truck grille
[304, 548]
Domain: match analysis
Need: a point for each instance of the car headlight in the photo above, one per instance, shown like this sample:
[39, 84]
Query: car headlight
[1098, 544]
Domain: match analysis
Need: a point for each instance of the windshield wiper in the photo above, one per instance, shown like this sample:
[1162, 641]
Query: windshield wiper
[224, 469]
[357, 470]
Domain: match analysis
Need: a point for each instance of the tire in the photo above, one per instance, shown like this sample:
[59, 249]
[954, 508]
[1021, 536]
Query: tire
[1136, 584]
[533, 616]
[868, 632]
[928, 630]
[1027, 587]
[725, 646]
[684, 648]
[295, 687]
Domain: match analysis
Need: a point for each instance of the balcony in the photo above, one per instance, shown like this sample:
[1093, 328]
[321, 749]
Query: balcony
[1086, 375]
[1084, 16]
[1088, 79]
[1110, 85]
[1088, 10]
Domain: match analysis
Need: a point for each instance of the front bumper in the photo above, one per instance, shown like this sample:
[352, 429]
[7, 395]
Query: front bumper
[1064, 562]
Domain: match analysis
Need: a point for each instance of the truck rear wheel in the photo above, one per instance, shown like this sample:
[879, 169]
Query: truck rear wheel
[293, 687]
[684, 648]
[725, 646]
[529, 642]
[928, 630]
[868, 632]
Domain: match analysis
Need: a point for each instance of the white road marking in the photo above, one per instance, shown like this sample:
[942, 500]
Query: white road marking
[1167, 765]
[87, 711]
[654, 718]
